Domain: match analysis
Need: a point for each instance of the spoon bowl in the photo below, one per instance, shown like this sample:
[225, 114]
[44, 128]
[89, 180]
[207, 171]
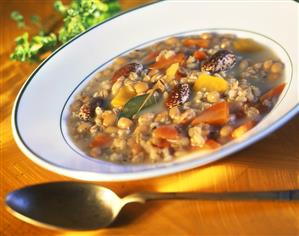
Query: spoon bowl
[65, 205]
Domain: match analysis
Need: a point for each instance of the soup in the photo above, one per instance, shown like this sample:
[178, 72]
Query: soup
[176, 96]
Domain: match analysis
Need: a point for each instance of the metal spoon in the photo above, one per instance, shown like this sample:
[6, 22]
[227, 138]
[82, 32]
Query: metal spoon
[84, 206]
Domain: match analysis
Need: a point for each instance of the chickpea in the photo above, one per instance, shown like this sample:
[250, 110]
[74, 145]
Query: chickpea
[83, 127]
[174, 113]
[98, 120]
[119, 143]
[106, 84]
[191, 59]
[225, 44]
[257, 66]
[267, 65]
[111, 130]
[165, 95]
[129, 83]
[106, 73]
[274, 76]
[162, 117]
[133, 76]
[169, 53]
[180, 153]
[95, 152]
[226, 131]
[206, 36]
[144, 129]
[120, 61]
[109, 118]
[141, 87]
[98, 111]
[171, 41]
[213, 97]
[277, 67]
[243, 65]
[124, 123]
[146, 118]
[252, 112]
[123, 133]
[117, 157]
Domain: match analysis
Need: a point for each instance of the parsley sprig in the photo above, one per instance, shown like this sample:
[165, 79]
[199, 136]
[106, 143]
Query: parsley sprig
[77, 17]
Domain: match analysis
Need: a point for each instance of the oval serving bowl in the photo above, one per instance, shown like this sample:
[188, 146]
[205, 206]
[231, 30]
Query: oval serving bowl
[41, 108]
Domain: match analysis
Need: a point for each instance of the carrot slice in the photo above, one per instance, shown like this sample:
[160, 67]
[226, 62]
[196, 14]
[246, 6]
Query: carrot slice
[151, 57]
[126, 70]
[202, 43]
[242, 129]
[274, 92]
[162, 143]
[167, 132]
[217, 114]
[200, 55]
[101, 140]
[210, 144]
[180, 74]
[163, 63]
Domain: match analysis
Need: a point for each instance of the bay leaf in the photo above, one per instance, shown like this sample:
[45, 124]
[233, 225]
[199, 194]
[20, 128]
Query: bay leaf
[138, 103]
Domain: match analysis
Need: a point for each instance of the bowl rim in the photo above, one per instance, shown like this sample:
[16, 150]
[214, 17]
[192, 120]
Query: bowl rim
[93, 176]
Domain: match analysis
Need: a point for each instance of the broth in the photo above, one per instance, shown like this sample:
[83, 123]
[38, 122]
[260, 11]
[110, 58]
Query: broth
[176, 96]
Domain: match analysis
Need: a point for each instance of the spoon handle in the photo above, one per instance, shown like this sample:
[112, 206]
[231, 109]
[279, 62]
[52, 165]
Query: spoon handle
[292, 195]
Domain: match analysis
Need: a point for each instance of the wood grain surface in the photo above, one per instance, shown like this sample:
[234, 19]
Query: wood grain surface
[270, 164]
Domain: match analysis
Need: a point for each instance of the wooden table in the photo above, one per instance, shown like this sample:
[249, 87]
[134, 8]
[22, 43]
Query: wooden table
[271, 164]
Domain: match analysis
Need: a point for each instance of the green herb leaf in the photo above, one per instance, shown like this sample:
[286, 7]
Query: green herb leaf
[78, 16]
[27, 50]
[58, 6]
[35, 20]
[151, 94]
[16, 16]
[83, 14]
[138, 103]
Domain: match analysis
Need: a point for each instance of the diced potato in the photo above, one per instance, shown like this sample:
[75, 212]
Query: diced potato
[242, 129]
[210, 83]
[171, 71]
[247, 46]
[123, 96]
